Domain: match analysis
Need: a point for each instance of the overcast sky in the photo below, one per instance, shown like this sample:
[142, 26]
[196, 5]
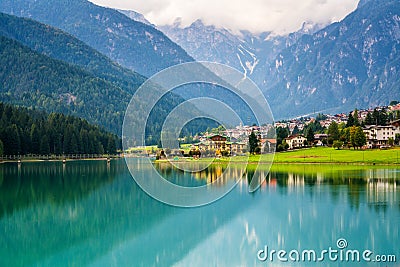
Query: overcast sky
[280, 16]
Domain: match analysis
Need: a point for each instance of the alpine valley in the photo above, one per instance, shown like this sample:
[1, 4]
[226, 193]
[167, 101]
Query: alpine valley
[349, 64]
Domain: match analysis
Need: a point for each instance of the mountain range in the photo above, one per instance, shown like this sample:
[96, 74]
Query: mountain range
[130, 43]
[247, 52]
[349, 64]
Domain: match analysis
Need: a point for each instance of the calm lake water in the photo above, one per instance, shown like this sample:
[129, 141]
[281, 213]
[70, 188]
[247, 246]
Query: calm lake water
[88, 213]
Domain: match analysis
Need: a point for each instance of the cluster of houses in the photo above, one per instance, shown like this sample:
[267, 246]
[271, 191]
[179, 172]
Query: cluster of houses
[235, 141]
[300, 123]
[219, 145]
[242, 132]
[377, 136]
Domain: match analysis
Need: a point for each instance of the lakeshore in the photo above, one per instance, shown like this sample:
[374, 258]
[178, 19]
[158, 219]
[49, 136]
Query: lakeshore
[315, 155]
[56, 158]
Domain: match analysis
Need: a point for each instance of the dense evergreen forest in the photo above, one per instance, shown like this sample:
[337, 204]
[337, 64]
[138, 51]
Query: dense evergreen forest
[31, 79]
[45, 68]
[34, 80]
[25, 131]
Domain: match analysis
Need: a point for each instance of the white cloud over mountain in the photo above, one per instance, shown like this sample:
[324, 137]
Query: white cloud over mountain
[279, 16]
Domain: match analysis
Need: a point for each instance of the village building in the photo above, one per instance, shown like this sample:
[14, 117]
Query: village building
[267, 145]
[237, 148]
[378, 136]
[296, 141]
[217, 142]
[319, 139]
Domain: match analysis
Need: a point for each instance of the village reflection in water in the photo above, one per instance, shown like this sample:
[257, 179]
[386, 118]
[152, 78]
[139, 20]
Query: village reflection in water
[377, 188]
[212, 175]
[379, 185]
[86, 212]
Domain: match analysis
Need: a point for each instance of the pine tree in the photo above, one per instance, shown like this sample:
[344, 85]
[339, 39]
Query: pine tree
[84, 136]
[281, 134]
[295, 130]
[12, 142]
[35, 139]
[310, 135]
[355, 118]
[100, 148]
[375, 117]
[58, 143]
[253, 142]
[333, 131]
[74, 148]
[383, 118]
[25, 131]
[345, 136]
[1, 148]
[111, 146]
[353, 136]
[359, 137]
[350, 121]
[92, 143]
[369, 120]
[67, 141]
[44, 145]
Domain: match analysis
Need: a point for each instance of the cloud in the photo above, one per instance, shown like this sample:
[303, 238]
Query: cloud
[279, 16]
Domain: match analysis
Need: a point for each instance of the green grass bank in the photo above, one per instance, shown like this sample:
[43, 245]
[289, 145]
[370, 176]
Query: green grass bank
[319, 155]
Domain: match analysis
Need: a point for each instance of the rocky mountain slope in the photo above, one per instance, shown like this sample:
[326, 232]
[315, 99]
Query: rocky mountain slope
[348, 64]
[132, 44]
[352, 63]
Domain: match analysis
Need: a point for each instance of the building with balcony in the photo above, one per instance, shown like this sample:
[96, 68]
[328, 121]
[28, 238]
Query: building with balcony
[378, 135]
[296, 141]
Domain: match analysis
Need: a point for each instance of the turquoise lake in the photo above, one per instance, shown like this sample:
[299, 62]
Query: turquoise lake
[90, 213]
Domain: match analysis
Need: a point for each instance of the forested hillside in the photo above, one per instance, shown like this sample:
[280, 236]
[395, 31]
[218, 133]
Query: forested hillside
[25, 131]
[34, 80]
[60, 45]
[132, 44]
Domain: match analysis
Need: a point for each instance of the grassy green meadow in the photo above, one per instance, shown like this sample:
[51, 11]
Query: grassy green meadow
[330, 155]
[322, 155]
